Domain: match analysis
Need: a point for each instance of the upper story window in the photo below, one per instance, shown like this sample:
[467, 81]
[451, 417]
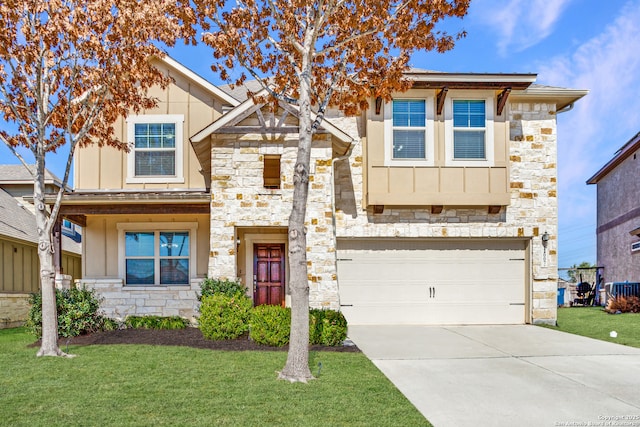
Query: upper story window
[409, 132]
[469, 132]
[156, 148]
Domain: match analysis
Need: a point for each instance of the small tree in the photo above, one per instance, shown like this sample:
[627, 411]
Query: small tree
[68, 70]
[321, 53]
[575, 272]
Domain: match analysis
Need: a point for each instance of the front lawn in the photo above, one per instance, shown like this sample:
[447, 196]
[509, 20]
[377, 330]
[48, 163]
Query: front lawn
[594, 322]
[140, 385]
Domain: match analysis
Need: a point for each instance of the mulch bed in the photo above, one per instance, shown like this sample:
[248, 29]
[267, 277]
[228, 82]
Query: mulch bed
[189, 337]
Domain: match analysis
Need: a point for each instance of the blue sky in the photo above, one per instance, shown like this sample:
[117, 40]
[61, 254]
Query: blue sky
[579, 44]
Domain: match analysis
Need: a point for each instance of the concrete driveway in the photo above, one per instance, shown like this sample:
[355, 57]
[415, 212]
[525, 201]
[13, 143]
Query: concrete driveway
[507, 375]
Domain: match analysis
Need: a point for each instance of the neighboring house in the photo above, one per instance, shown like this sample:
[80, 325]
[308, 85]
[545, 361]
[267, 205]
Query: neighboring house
[618, 218]
[428, 209]
[19, 266]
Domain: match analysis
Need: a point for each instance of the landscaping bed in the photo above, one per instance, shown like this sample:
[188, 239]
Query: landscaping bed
[189, 337]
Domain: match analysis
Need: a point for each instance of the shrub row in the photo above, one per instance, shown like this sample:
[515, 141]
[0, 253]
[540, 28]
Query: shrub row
[228, 317]
[155, 322]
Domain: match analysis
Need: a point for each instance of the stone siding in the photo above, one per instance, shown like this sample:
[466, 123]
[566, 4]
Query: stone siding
[14, 310]
[120, 301]
[239, 199]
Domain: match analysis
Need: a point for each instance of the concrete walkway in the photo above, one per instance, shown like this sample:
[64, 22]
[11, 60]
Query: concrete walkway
[523, 375]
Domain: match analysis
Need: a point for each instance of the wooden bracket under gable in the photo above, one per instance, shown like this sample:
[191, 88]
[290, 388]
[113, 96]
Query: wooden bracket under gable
[502, 100]
[441, 97]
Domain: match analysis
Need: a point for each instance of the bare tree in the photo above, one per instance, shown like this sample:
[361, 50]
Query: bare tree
[321, 53]
[68, 70]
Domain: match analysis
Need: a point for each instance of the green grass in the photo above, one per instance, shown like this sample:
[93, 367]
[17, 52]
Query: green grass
[136, 385]
[594, 322]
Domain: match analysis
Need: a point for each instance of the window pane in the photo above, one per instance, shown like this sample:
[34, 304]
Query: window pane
[468, 113]
[138, 244]
[408, 144]
[174, 243]
[174, 271]
[409, 113]
[140, 272]
[149, 163]
[468, 145]
[169, 135]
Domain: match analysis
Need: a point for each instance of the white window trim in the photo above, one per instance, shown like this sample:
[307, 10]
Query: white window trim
[178, 120]
[428, 138]
[123, 227]
[488, 135]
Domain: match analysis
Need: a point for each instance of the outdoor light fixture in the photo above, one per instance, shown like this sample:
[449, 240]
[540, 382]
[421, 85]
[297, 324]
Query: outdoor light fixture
[545, 239]
[378, 104]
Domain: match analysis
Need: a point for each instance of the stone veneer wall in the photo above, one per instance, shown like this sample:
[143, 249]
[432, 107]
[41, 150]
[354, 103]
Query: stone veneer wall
[239, 199]
[14, 309]
[532, 211]
[122, 301]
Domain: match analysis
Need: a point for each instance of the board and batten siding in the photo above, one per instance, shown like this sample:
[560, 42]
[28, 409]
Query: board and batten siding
[19, 277]
[106, 167]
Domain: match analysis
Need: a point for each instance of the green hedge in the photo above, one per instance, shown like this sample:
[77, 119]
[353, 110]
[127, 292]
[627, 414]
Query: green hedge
[224, 317]
[78, 312]
[230, 288]
[270, 325]
[155, 322]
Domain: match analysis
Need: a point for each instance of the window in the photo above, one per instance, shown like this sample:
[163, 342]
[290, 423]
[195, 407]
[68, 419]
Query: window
[409, 124]
[156, 148]
[409, 130]
[271, 172]
[156, 257]
[469, 131]
[160, 254]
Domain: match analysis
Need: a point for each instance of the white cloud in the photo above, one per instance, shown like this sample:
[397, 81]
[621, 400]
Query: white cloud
[608, 65]
[519, 24]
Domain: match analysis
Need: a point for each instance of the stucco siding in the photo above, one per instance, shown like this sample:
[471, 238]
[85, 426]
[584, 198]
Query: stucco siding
[619, 214]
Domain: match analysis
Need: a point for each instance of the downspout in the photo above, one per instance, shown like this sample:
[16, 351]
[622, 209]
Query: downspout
[333, 210]
[566, 108]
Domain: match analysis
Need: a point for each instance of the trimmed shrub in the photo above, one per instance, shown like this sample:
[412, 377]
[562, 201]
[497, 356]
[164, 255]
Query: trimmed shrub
[316, 318]
[230, 288]
[224, 317]
[155, 322]
[270, 325]
[334, 328]
[78, 312]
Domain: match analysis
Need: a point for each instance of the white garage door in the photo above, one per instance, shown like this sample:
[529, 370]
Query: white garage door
[432, 281]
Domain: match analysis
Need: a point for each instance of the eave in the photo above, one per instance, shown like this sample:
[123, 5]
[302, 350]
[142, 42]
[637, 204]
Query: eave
[559, 96]
[437, 80]
[623, 153]
[191, 75]
[78, 204]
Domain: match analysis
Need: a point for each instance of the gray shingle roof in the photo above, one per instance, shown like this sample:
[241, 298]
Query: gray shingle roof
[17, 173]
[19, 223]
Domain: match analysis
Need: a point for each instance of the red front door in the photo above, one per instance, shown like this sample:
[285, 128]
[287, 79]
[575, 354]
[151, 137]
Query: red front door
[268, 274]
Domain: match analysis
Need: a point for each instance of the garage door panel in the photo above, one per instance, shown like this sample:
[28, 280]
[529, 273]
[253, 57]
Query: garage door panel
[432, 282]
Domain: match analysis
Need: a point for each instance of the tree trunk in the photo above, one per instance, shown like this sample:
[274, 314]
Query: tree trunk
[49, 346]
[297, 367]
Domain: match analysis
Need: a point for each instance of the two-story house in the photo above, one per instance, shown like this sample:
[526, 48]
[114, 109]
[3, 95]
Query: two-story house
[618, 214]
[438, 207]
